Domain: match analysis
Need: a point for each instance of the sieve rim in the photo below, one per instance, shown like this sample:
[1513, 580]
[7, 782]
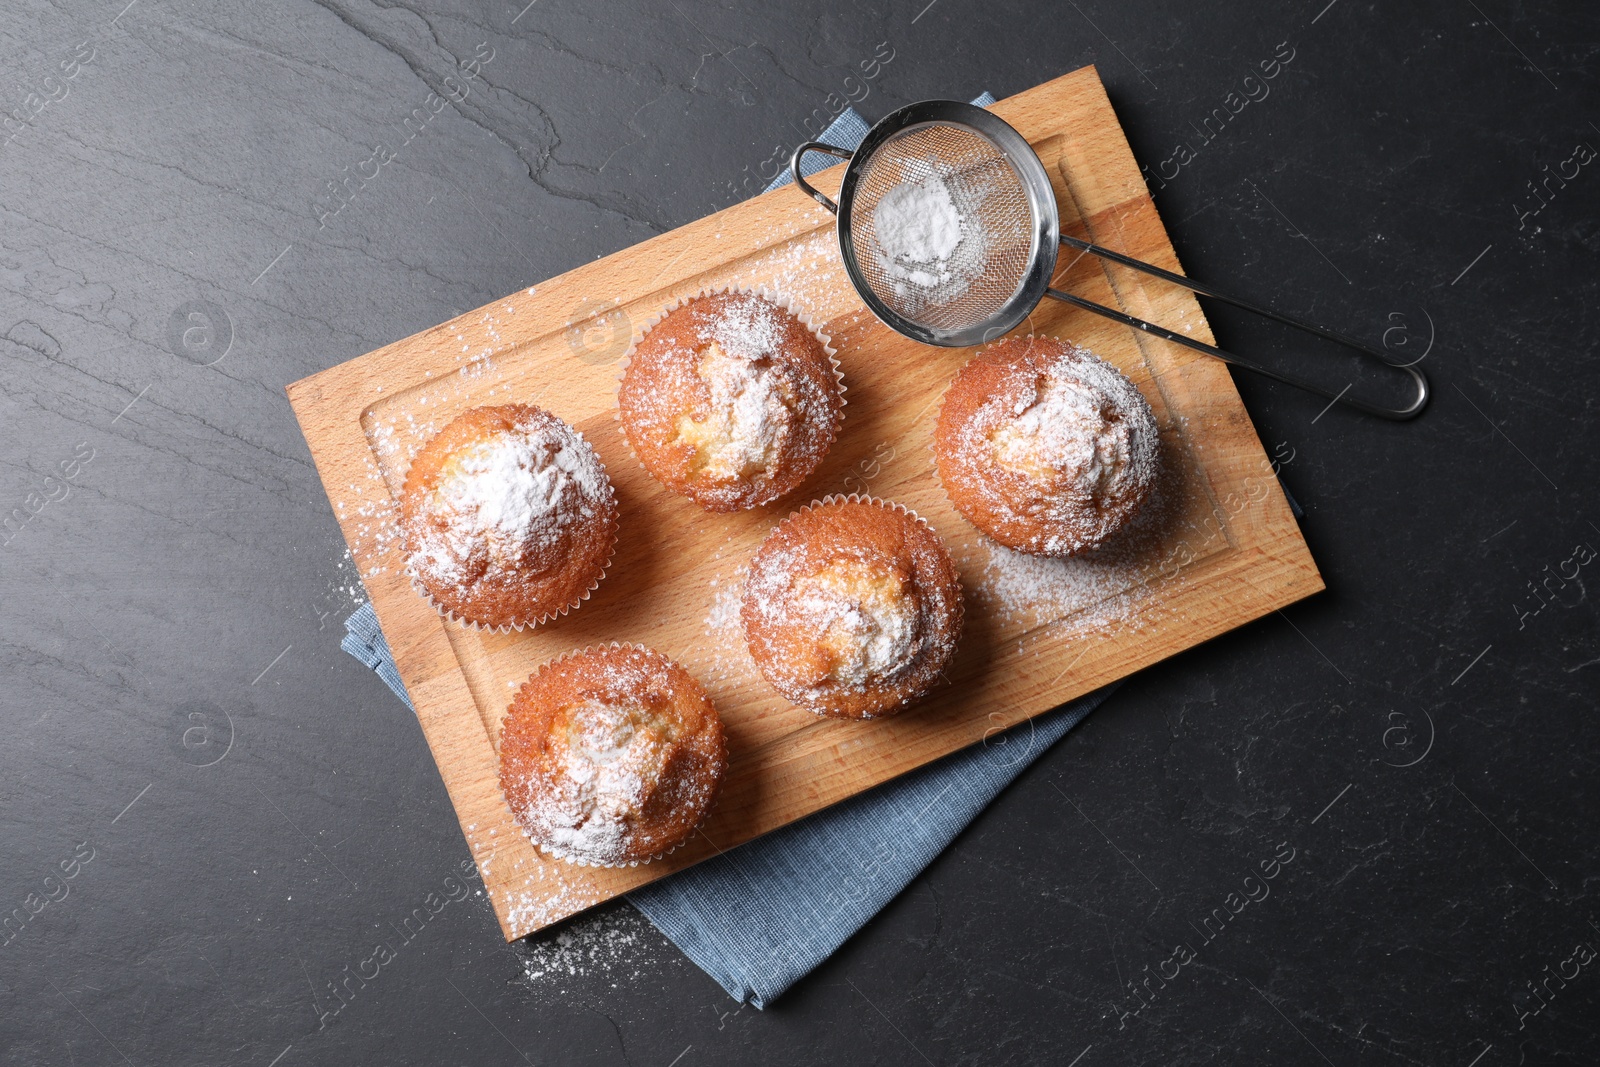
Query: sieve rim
[1030, 171]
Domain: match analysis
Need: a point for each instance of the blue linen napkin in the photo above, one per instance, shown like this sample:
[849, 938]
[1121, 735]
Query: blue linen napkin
[363, 639]
[759, 918]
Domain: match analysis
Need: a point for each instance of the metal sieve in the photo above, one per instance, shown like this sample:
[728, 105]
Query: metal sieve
[1010, 233]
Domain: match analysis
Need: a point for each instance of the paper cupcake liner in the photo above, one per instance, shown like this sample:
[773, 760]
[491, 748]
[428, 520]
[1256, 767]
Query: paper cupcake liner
[577, 861]
[959, 591]
[765, 293]
[519, 625]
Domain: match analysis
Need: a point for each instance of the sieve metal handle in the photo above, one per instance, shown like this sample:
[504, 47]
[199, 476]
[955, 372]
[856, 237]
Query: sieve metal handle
[1410, 411]
[800, 179]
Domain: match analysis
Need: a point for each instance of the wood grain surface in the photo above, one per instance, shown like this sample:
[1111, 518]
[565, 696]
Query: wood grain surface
[1221, 549]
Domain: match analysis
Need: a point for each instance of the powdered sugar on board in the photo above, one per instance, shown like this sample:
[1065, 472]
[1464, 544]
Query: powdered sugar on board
[547, 890]
[1111, 589]
[729, 656]
[1032, 591]
[805, 271]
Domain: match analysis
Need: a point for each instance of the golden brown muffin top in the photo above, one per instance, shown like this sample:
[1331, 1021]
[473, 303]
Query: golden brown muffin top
[508, 516]
[1044, 446]
[852, 607]
[730, 400]
[611, 756]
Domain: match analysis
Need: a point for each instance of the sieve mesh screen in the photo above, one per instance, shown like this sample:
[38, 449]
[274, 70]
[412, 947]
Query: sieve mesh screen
[995, 251]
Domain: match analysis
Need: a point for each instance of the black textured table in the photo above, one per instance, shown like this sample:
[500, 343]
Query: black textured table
[208, 813]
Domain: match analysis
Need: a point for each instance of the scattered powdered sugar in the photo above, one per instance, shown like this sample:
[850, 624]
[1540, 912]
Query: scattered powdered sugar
[723, 618]
[343, 593]
[1029, 591]
[374, 527]
[728, 656]
[607, 944]
[808, 270]
[550, 896]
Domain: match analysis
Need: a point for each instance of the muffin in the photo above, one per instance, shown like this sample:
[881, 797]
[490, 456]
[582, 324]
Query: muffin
[611, 757]
[508, 516]
[852, 608]
[730, 400]
[1044, 446]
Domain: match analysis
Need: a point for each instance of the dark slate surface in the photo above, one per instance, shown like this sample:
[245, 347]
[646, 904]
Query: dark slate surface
[244, 811]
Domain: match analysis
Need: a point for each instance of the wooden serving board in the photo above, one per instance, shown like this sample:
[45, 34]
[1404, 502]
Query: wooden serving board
[1221, 549]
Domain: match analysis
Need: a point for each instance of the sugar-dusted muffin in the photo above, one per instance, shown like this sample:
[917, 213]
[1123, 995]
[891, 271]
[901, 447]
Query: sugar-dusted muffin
[611, 756]
[852, 607]
[1044, 446]
[509, 518]
[730, 400]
